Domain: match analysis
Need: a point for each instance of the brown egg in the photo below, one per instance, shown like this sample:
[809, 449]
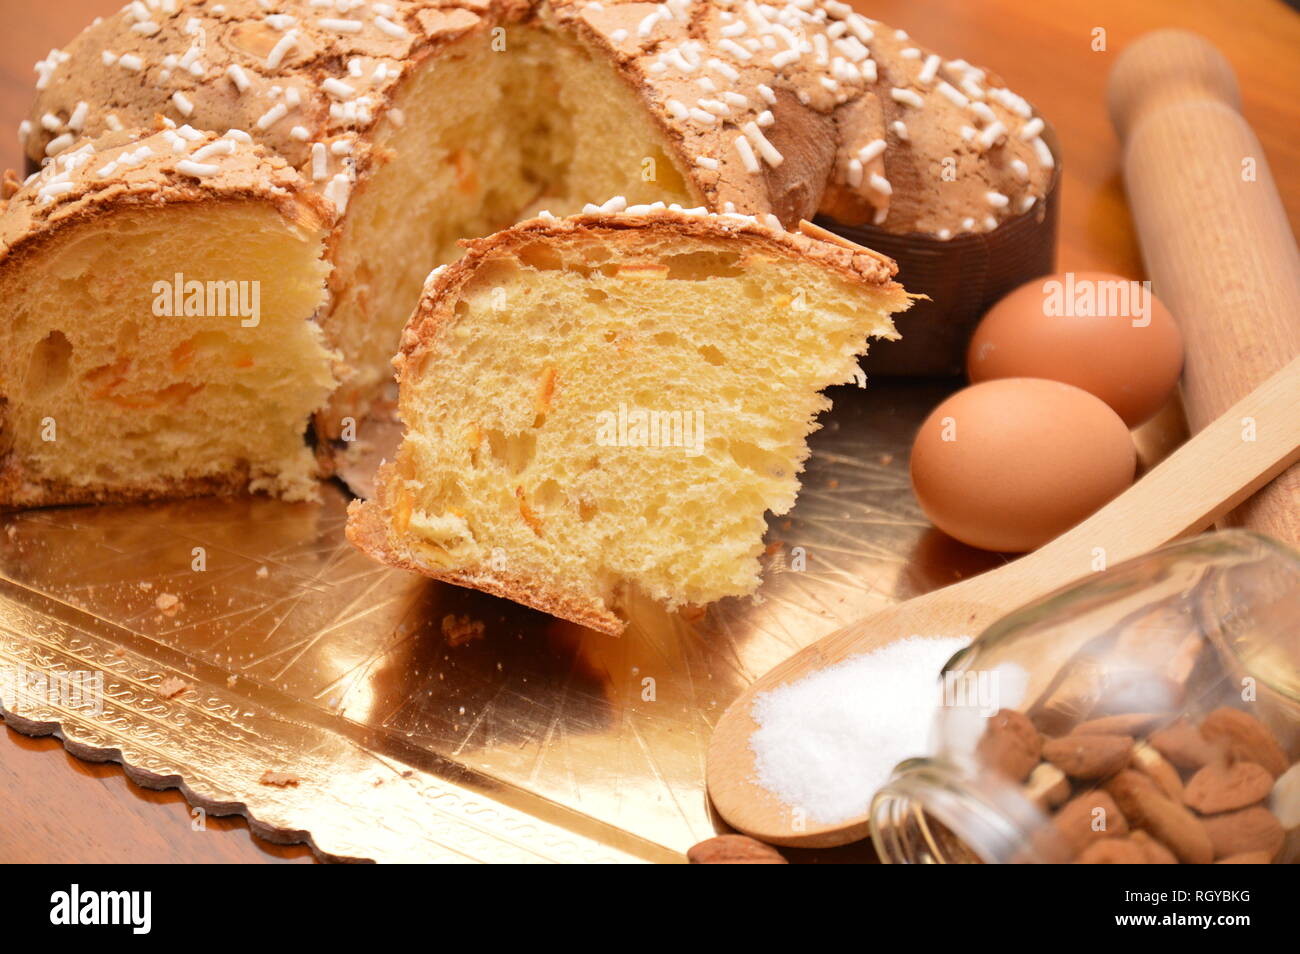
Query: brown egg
[1097, 331]
[1009, 464]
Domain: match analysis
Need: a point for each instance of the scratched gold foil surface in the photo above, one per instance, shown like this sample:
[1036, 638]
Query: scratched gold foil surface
[412, 734]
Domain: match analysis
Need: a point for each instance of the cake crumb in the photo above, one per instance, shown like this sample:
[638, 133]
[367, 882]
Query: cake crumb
[167, 602]
[262, 573]
[172, 686]
[458, 630]
[144, 585]
[231, 680]
[280, 779]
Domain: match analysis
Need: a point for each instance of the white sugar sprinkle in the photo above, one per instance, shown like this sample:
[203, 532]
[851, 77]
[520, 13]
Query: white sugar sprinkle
[281, 49]
[387, 26]
[197, 169]
[771, 155]
[747, 156]
[992, 135]
[319, 163]
[238, 76]
[826, 743]
[871, 150]
[338, 191]
[1043, 153]
[1031, 129]
[906, 96]
[340, 26]
[338, 89]
[929, 70]
[272, 116]
[950, 92]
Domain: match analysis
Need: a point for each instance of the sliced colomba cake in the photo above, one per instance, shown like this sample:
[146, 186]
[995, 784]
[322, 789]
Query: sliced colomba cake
[423, 122]
[157, 298]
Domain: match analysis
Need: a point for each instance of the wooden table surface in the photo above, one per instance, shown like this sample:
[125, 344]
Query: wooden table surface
[55, 808]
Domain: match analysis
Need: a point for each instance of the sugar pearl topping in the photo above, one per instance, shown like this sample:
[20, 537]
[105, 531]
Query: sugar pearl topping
[737, 83]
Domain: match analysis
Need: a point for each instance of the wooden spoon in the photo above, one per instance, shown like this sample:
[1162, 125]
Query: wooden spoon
[1217, 469]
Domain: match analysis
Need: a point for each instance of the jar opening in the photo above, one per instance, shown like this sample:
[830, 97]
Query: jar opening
[932, 813]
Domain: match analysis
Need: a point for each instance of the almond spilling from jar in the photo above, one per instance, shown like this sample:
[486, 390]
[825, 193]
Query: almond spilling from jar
[1010, 744]
[1245, 738]
[1147, 807]
[1089, 756]
[1183, 745]
[1113, 851]
[1149, 762]
[1225, 788]
[1090, 817]
[1156, 853]
[1246, 831]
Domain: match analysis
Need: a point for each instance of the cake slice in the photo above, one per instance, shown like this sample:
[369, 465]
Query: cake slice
[615, 400]
[157, 298]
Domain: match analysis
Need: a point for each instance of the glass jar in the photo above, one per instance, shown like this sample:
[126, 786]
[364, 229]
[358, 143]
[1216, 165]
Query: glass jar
[1148, 714]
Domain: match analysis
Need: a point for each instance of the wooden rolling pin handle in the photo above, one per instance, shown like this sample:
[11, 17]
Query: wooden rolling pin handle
[1214, 236]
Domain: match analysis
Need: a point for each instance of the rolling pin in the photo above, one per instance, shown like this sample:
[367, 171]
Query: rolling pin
[1214, 236]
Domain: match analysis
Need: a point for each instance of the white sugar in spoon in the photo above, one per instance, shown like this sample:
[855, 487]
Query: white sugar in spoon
[1205, 478]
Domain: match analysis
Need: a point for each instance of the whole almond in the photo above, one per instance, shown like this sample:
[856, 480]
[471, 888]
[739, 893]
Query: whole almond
[1151, 763]
[1247, 858]
[1113, 851]
[1088, 756]
[1090, 817]
[1246, 739]
[1225, 788]
[1010, 744]
[1183, 745]
[1167, 821]
[734, 850]
[1157, 854]
[1124, 788]
[1248, 830]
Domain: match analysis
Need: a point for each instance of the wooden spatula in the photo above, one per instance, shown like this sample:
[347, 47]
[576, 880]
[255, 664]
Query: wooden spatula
[1217, 469]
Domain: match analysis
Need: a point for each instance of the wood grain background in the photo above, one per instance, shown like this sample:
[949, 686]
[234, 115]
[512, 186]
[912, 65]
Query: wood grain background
[54, 808]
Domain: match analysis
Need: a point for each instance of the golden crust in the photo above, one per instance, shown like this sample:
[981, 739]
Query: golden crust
[815, 108]
[132, 168]
[850, 261]
[20, 489]
[369, 528]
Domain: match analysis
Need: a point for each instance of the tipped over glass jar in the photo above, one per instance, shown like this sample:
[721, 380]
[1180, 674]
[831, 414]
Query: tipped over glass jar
[1150, 714]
